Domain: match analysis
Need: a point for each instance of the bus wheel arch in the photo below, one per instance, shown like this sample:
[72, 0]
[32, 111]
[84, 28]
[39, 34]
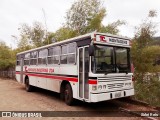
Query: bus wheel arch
[66, 92]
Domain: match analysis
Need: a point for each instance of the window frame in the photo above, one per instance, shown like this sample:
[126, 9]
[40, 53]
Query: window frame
[69, 53]
[42, 57]
[27, 58]
[114, 57]
[18, 60]
[54, 55]
[34, 58]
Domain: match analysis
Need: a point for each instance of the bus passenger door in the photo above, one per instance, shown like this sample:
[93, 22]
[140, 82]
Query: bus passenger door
[83, 67]
[21, 70]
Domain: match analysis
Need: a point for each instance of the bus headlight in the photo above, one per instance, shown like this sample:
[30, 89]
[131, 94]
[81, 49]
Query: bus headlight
[94, 88]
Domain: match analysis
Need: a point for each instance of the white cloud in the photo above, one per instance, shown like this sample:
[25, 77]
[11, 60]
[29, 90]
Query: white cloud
[132, 11]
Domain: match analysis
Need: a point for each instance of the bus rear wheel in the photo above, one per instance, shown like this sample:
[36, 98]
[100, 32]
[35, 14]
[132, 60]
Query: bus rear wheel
[28, 87]
[68, 95]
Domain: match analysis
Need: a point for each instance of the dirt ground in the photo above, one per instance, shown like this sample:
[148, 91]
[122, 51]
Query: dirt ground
[13, 97]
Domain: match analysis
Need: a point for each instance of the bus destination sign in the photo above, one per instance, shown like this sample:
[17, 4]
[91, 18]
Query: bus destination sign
[111, 40]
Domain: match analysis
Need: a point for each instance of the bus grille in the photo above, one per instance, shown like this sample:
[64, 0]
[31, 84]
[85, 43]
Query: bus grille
[115, 82]
[117, 85]
[114, 78]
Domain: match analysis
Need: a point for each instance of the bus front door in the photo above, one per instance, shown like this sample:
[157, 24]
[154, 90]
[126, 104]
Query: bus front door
[83, 74]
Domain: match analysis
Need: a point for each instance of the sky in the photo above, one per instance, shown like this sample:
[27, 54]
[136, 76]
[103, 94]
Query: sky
[13, 13]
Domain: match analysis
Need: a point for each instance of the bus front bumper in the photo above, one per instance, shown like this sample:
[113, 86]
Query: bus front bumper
[97, 97]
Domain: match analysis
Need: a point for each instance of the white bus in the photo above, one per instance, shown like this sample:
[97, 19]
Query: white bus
[93, 67]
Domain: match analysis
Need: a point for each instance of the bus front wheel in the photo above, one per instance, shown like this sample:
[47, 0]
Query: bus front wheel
[68, 95]
[28, 87]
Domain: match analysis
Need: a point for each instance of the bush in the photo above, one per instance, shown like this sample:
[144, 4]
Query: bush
[148, 91]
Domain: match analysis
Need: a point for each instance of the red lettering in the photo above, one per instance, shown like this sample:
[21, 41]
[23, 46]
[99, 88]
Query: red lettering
[42, 70]
[25, 69]
[51, 70]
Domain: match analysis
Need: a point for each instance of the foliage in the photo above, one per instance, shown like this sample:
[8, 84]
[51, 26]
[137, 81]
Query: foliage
[83, 15]
[37, 34]
[143, 53]
[87, 15]
[31, 36]
[24, 43]
[64, 33]
[148, 91]
[49, 38]
[112, 27]
[6, 57]
[144, 58]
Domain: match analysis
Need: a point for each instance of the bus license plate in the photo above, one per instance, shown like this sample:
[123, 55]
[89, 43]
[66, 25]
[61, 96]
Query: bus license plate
[118, 94]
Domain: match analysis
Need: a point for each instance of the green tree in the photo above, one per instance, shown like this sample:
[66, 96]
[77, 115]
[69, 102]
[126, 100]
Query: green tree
[64, 33]
[31, 36]
[112, 27]
[143, 52]
[38, 34]
[49, 38]
[24, 38]
[85, 16]
[23, 43]
[6, 57]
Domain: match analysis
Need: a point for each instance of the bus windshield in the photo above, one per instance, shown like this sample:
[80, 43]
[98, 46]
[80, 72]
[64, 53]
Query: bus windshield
[108, 59]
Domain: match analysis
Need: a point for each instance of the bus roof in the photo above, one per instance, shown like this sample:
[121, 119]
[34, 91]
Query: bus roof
[92, 35]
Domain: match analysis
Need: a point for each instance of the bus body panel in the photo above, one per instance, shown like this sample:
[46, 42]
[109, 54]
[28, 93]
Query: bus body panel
[68, 70]
[101, 86]
[107, 96]
[53, 85]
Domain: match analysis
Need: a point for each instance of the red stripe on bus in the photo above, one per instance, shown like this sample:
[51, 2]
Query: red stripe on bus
[92, 82]
[54, 77]
[59, 77]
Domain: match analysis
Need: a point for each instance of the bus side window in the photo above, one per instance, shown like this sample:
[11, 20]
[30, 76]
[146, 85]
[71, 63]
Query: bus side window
[64, 52]
[26, 59]
[71, 56]
[18, 60]
[50, 56]
[33, 59]
[56, 55]
[42, 56]
[68, 55]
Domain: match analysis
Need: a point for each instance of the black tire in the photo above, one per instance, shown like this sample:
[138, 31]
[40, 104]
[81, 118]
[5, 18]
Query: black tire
[68, 95]
[62, 92]
[29, 88]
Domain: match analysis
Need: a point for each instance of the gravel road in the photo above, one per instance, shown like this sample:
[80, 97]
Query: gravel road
[13, 97]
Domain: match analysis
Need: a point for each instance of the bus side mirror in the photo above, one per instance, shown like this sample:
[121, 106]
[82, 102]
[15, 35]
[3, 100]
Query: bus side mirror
[91, 50]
